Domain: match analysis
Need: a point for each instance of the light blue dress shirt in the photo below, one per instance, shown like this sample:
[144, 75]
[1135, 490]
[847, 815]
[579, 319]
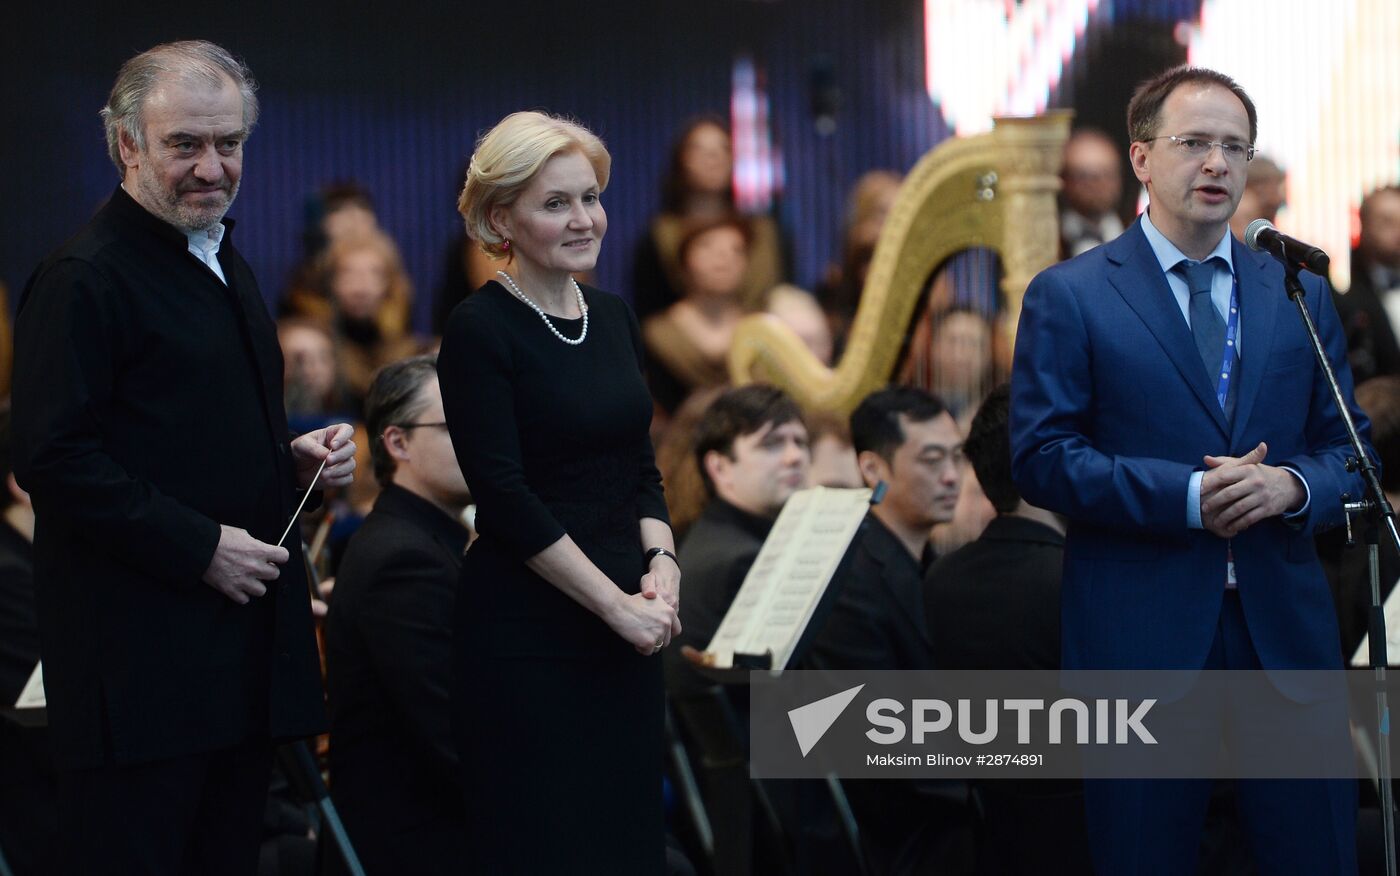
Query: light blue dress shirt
[1168, 256]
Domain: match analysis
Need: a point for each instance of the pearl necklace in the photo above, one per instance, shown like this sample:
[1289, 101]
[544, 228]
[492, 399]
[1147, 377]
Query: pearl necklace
[583, 308]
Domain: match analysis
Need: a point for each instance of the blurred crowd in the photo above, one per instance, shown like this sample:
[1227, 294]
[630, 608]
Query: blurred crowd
[700, 268]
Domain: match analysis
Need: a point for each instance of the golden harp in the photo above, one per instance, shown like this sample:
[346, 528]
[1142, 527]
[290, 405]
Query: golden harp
[994, 191]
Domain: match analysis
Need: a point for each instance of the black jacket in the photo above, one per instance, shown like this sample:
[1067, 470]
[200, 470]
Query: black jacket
[147, 412]
[995, 603]
[877, 623]
[28, 784]
[393, 764]
[877, 620]
[19, 626]
[1371, 346]
[715, 557]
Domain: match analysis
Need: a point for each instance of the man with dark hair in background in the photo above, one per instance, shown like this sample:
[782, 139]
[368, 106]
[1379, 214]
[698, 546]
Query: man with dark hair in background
[751, 447]
[752, 450]
[1370, 310]
[905, 439]
[995, 603]
[150, 431]
[1093, 186]
[393, 762]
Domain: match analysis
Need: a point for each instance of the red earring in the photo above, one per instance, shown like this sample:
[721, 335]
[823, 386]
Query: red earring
[505, 245]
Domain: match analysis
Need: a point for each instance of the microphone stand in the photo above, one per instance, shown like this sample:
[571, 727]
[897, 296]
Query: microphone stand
[1378, 513]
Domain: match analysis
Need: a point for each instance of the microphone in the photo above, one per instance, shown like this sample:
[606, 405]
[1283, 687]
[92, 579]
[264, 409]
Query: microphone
[1262, 236]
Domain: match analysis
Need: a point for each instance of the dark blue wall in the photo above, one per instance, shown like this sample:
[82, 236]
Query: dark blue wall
[396, 96]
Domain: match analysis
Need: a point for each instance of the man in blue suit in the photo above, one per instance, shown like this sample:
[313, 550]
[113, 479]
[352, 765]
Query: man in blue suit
[1165, 399]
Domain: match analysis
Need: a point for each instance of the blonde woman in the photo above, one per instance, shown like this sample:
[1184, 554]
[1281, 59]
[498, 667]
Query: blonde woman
[572, 588]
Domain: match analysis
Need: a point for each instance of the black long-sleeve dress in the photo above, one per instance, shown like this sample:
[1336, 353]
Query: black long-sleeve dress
[558, 720]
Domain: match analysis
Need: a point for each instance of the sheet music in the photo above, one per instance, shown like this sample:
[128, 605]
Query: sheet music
[1362, 657]
[786, 581]
[32, 697]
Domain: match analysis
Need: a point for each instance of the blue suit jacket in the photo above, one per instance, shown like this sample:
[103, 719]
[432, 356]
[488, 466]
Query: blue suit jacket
[1111, 412]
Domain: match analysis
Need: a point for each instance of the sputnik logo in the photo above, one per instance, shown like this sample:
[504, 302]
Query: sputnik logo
[810, 722]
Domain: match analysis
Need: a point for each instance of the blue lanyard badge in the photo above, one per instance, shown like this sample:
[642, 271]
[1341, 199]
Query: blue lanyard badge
[1231, 353]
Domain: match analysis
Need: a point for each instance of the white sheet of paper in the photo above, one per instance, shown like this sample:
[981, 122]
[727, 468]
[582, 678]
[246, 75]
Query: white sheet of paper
[32, 697]
[1391, 607]
[790, 574]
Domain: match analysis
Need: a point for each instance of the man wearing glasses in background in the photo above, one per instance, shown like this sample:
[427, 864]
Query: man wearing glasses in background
[1165, 400]
[393, 764]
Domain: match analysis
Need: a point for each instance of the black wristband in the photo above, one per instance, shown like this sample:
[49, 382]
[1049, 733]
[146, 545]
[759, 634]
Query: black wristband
[655, 552]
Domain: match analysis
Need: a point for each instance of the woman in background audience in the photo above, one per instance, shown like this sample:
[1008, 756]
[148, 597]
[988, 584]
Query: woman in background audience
[337, 211]
[699, 188]
[314, 394]
[366, 302]
[798, 310]
[870, 201]
[961, 361]
[675, 457]
[688, 342]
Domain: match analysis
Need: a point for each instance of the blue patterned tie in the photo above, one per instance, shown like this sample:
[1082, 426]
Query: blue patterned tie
[1207, 328]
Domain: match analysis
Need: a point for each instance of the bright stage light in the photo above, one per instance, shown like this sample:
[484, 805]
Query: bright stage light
[1326, 80]
[986, 58]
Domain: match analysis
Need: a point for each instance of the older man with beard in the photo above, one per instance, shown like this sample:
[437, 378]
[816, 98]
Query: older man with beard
[149, 430]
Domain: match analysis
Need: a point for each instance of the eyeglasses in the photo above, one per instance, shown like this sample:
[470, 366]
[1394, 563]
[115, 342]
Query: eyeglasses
[1198, 147]
[442, 425]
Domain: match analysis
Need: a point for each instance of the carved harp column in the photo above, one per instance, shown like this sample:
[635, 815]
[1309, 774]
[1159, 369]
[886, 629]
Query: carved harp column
[994, 190]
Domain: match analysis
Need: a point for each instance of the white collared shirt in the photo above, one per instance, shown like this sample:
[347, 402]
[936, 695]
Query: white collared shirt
[204, 245]
[1221, 284]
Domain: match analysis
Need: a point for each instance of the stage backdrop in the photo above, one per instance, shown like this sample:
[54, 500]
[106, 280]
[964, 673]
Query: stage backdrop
[394, 94]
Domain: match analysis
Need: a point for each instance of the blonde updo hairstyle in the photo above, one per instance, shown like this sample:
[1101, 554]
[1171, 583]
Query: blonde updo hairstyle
[508, 156]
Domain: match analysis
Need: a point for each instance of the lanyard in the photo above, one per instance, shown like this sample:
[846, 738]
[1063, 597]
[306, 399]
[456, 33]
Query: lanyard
[1231, 353]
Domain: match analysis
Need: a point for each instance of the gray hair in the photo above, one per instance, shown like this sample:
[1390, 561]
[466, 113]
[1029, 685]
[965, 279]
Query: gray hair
[140, 75]
[395, 399]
